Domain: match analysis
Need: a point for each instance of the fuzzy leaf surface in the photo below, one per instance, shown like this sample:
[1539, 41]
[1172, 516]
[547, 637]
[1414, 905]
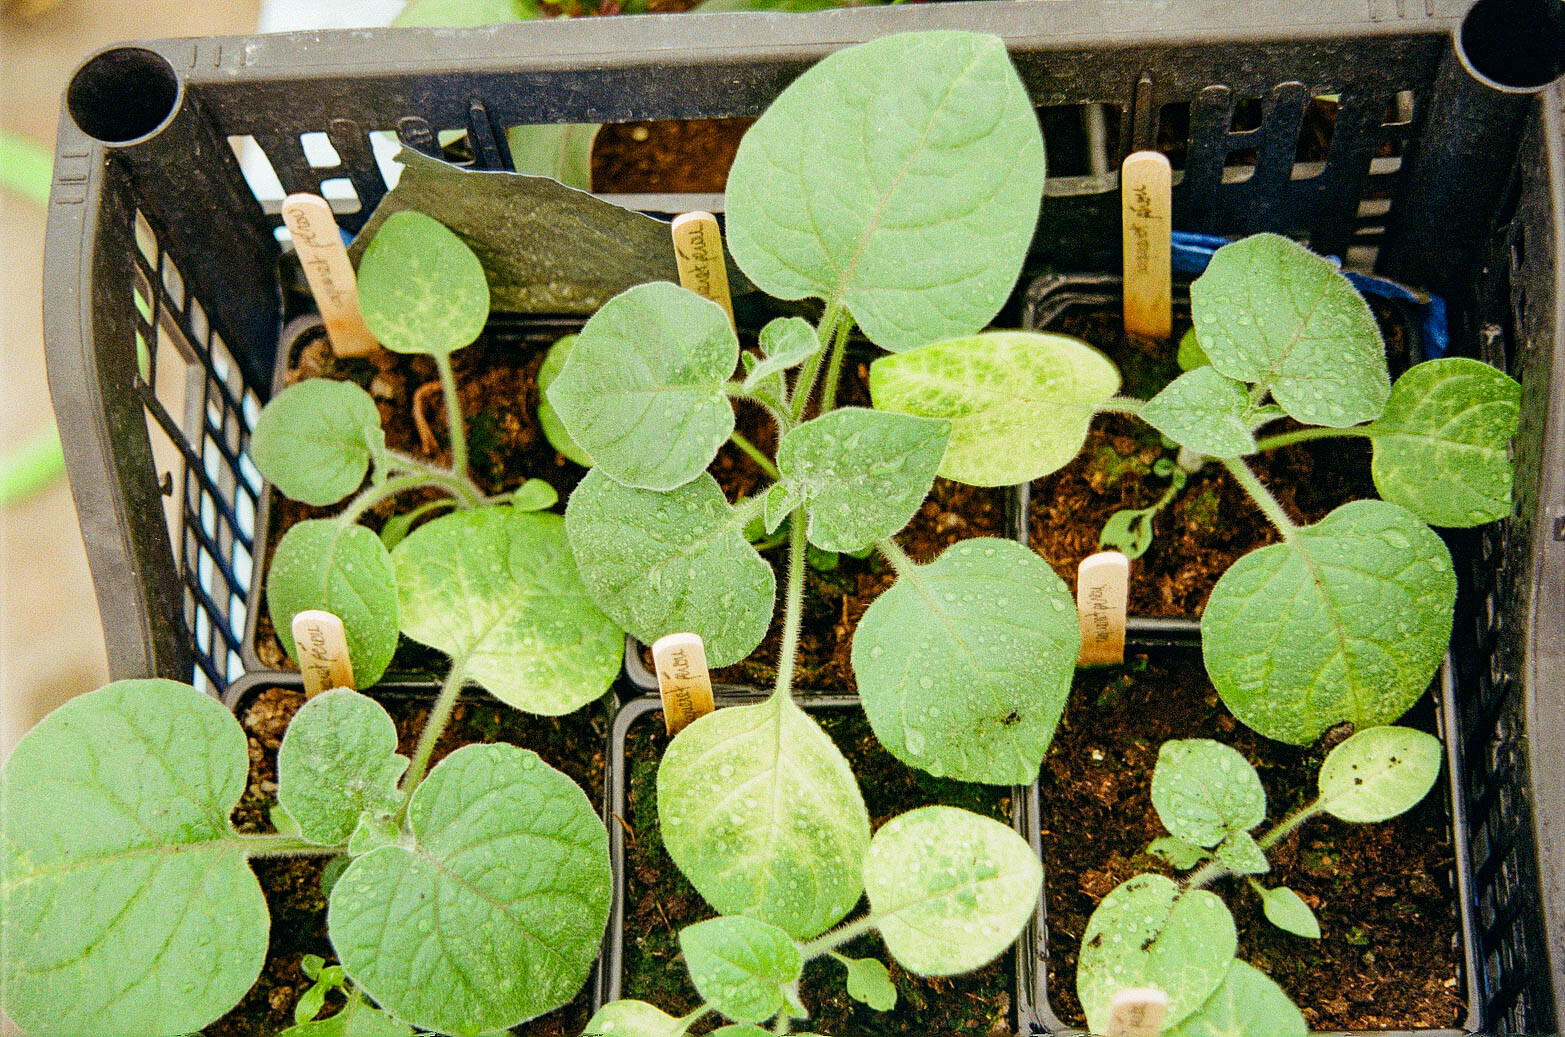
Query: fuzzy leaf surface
[338, 760]
[126, 901]
[548, 417]
[627, 1018]
[785, 342]
[862, 473]
[1019, 402]
[1242, 855]
[900, 178]
[642, 390]
[346, 570]
[1202, 790]
[1178, 853]
[742, 967]
[315, 440]
[421, 289]
[1287, 911]
[964, 664]
[503, 894]
[1442, 446]
[1379, 773]
[1147, 933]
[950, 890]
[1273, 313]
[1204, 410]
[1346, 622]
[661, 563]
[1248, 1004]
[498, 588]
[760, 811]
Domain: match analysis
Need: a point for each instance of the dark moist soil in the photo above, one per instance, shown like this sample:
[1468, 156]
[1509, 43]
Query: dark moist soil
[659, 902]
[835, 600]
[574, 744]
[1212, 522]
[656, 157]
[1383, 893]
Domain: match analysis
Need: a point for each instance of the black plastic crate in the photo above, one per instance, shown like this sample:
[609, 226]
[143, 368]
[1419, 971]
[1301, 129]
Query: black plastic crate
[1445, 168]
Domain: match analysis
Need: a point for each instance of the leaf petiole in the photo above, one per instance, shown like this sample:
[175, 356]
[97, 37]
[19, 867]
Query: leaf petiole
[434, 727]
[834, 364]
[794, 611]
[743, 442]
[1303, 435]
[1262, 496]
[457, 429]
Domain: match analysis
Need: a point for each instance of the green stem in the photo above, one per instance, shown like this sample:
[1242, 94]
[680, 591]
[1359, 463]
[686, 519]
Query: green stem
[1262, 497]
[1303, 435]
[453, 415]
[828, 942]
[804, 385]
[375, 494]
[434, 727]
[1216, 869]
[839, 348]
[782, 1025]
[459, 486]
[897, 557]
[794, 610]
[271, 845]
[741, 441]
[1120, 405]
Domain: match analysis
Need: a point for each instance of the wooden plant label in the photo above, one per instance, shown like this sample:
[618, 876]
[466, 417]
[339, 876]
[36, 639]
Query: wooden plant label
[1102, 587]
[1137, 1013]
[326, 266]
[1147, 210]
[683, 680]
[698, 249]
[323, 652]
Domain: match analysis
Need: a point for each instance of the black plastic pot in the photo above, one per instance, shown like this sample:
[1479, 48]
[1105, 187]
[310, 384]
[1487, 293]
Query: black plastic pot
[158, 247]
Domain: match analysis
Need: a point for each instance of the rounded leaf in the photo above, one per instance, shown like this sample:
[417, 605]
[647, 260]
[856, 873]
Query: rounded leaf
[345, 570]
[900, 178]
[503, 894]
[964, 664]
[126, 902]
[949, 890]
[1287, 911]
[421, 288]
[1019, 402]
[869, 981]
[1346, 621]
[632, 1019]
[785, 342]
[498, 590]
[741, 966]
[1203, 790]
[759, 809]
[338, 760]
[548, 417]
[1379, 773]
[1248, 1004]
[314, 442]
[1205, 411]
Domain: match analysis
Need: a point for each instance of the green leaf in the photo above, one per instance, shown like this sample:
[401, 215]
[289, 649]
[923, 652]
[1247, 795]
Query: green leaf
[1379, 773]
[314, 442]
[346, 570]
[1205, 411]
[869, 981]
[949, 890]
[743, 1030]
[1129, 531]
[1347, 621]
[862, 473]
[338, 760]
[548, 417]
[1287, 911]
[662, 563]
[456, 14]
[371, 833]
[782, 500]
[1148, 933]
[357, 1019]
[964, 664]
[642, 391]
[1248, 1004]
[497, 590]
[1178, 853]
[760, 811]
[125, 899]
[421, 289]
[1271, 312]
[632, 1019]
[395, 529]
[1242, 855]
[740, 966]
[785, 342]
[1442, 447]
[1019, 403]
[1202, 790]
[1191, 355]
[535, 495]
[503, 895]
[900, 178]
[559, 150]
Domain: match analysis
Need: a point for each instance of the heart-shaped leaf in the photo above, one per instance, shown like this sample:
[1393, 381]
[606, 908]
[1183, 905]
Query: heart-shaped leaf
[862, 473]
[497, 590]
[548, 417]
[1345, 621]
[346, 570]
[1019, 403]
[315, 440]
[1202, 790]
[503, 894]
[1205, 411]
[1149, 933]
[126, 902]
[338, 761]
[1379, 773]
[760, 811]
[1273, 313]
[742, 967]
[964, 664]
[1442, 446]
[785, 342]
[1248, 1004]
[421, 289]
[1287, 911]
[1242, 855]
[900, 178]
[642, 391]
[663, 563]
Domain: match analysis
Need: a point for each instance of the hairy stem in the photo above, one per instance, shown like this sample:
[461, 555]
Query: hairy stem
[1262, 497]
[794, 610]
[1214, 869]
[458, 485]
[453, 415]
[390, 488]
[434, 727]
[1304, 435]
[804, 384]
[1120, 405]
[271, 845]
[742, 441]
[782, 1024]
[897, 557]
[839, 348]
[830, 941]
